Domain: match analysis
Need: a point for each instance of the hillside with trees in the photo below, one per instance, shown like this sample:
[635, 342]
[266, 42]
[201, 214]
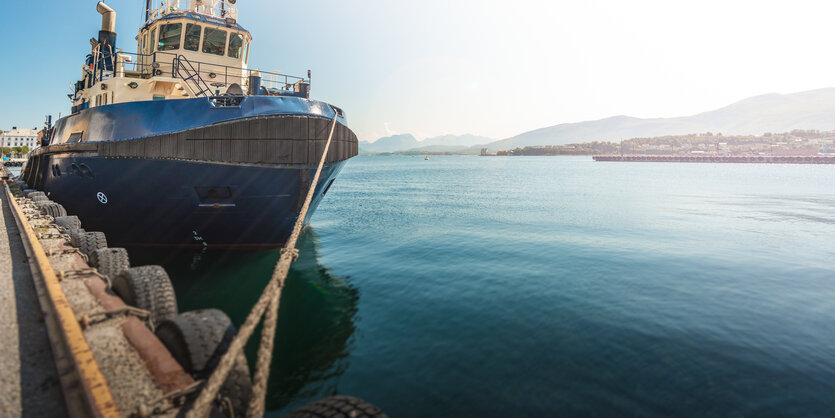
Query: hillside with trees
[754, 116]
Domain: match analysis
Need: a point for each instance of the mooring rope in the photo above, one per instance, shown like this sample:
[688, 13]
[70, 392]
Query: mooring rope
[268, 301]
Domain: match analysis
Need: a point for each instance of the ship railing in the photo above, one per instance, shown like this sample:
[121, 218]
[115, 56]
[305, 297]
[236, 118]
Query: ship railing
[165, 64]
[222, 9]
[101, 63]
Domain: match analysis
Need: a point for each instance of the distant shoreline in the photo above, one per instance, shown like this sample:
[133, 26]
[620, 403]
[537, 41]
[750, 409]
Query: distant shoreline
[724, 159]
[796, 143]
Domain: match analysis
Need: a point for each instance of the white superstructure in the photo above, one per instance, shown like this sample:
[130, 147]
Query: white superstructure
[186, 49]
[20, 138]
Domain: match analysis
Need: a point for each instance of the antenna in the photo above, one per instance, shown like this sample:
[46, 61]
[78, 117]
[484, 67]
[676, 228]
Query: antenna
[147, 10]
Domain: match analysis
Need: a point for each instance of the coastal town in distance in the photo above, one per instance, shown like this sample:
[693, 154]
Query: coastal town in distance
[797, 143]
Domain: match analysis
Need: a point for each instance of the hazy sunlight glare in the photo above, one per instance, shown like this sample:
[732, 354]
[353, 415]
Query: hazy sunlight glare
[485, 67]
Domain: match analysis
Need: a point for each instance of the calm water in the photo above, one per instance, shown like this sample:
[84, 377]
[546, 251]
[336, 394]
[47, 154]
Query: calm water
[469, 286]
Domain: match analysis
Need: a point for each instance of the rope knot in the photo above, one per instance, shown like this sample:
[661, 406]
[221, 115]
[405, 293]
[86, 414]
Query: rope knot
[294, 253]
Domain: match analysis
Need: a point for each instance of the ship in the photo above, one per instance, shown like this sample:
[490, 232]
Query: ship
[181, 143]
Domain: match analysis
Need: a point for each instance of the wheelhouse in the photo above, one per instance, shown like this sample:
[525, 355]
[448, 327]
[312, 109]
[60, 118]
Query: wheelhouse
[185, 49]
[214, 43]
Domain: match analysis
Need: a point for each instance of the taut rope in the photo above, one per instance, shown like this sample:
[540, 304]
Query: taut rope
[268, 301]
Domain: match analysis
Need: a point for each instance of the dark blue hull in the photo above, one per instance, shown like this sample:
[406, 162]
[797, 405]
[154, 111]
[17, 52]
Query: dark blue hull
[204, 172]
[162, 202]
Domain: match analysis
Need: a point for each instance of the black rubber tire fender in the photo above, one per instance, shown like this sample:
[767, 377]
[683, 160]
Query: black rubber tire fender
[87, 242]
[110, 261]
[41, 200]
[148, 288]
[68, 223]
[55, 210]
[74, 234]
[338, 406]
[41, 203]
[197, 340]
[32, 193]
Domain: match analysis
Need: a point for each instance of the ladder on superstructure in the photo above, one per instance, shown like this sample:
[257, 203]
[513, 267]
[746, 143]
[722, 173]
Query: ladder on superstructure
[185, 70]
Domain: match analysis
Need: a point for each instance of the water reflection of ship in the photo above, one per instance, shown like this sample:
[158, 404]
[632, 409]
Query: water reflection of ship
[316, 318]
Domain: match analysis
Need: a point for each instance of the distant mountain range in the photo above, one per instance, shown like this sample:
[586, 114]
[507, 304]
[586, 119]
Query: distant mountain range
[407, 142]
[754, 116]
[757, 115]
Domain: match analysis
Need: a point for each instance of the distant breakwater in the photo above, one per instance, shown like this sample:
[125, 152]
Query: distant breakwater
[753, 159]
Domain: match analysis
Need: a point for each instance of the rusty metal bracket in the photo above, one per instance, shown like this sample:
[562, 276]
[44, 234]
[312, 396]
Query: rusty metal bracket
[82, 274]
[68, 251]
[38, 215]
[45, 235]
[169, 401]
[96, 318]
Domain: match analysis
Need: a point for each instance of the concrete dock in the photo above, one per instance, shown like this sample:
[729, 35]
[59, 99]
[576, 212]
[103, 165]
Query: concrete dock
[29, 383]
[72, 347]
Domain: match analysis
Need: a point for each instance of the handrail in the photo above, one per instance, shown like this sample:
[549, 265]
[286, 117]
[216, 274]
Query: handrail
[221, 9]
[145, 65]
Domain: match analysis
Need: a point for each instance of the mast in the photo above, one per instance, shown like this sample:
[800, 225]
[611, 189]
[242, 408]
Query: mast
[147, 10]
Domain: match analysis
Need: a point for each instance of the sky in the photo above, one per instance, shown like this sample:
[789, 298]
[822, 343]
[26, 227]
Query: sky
[483, 67]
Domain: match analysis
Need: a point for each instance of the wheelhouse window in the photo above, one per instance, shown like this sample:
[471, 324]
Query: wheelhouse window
[169, 36]
[192, 42]
[153, 40]
[246, 52]
[214, 41]
[236, 45]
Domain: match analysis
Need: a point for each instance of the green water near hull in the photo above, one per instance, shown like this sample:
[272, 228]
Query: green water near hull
[316, 316]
